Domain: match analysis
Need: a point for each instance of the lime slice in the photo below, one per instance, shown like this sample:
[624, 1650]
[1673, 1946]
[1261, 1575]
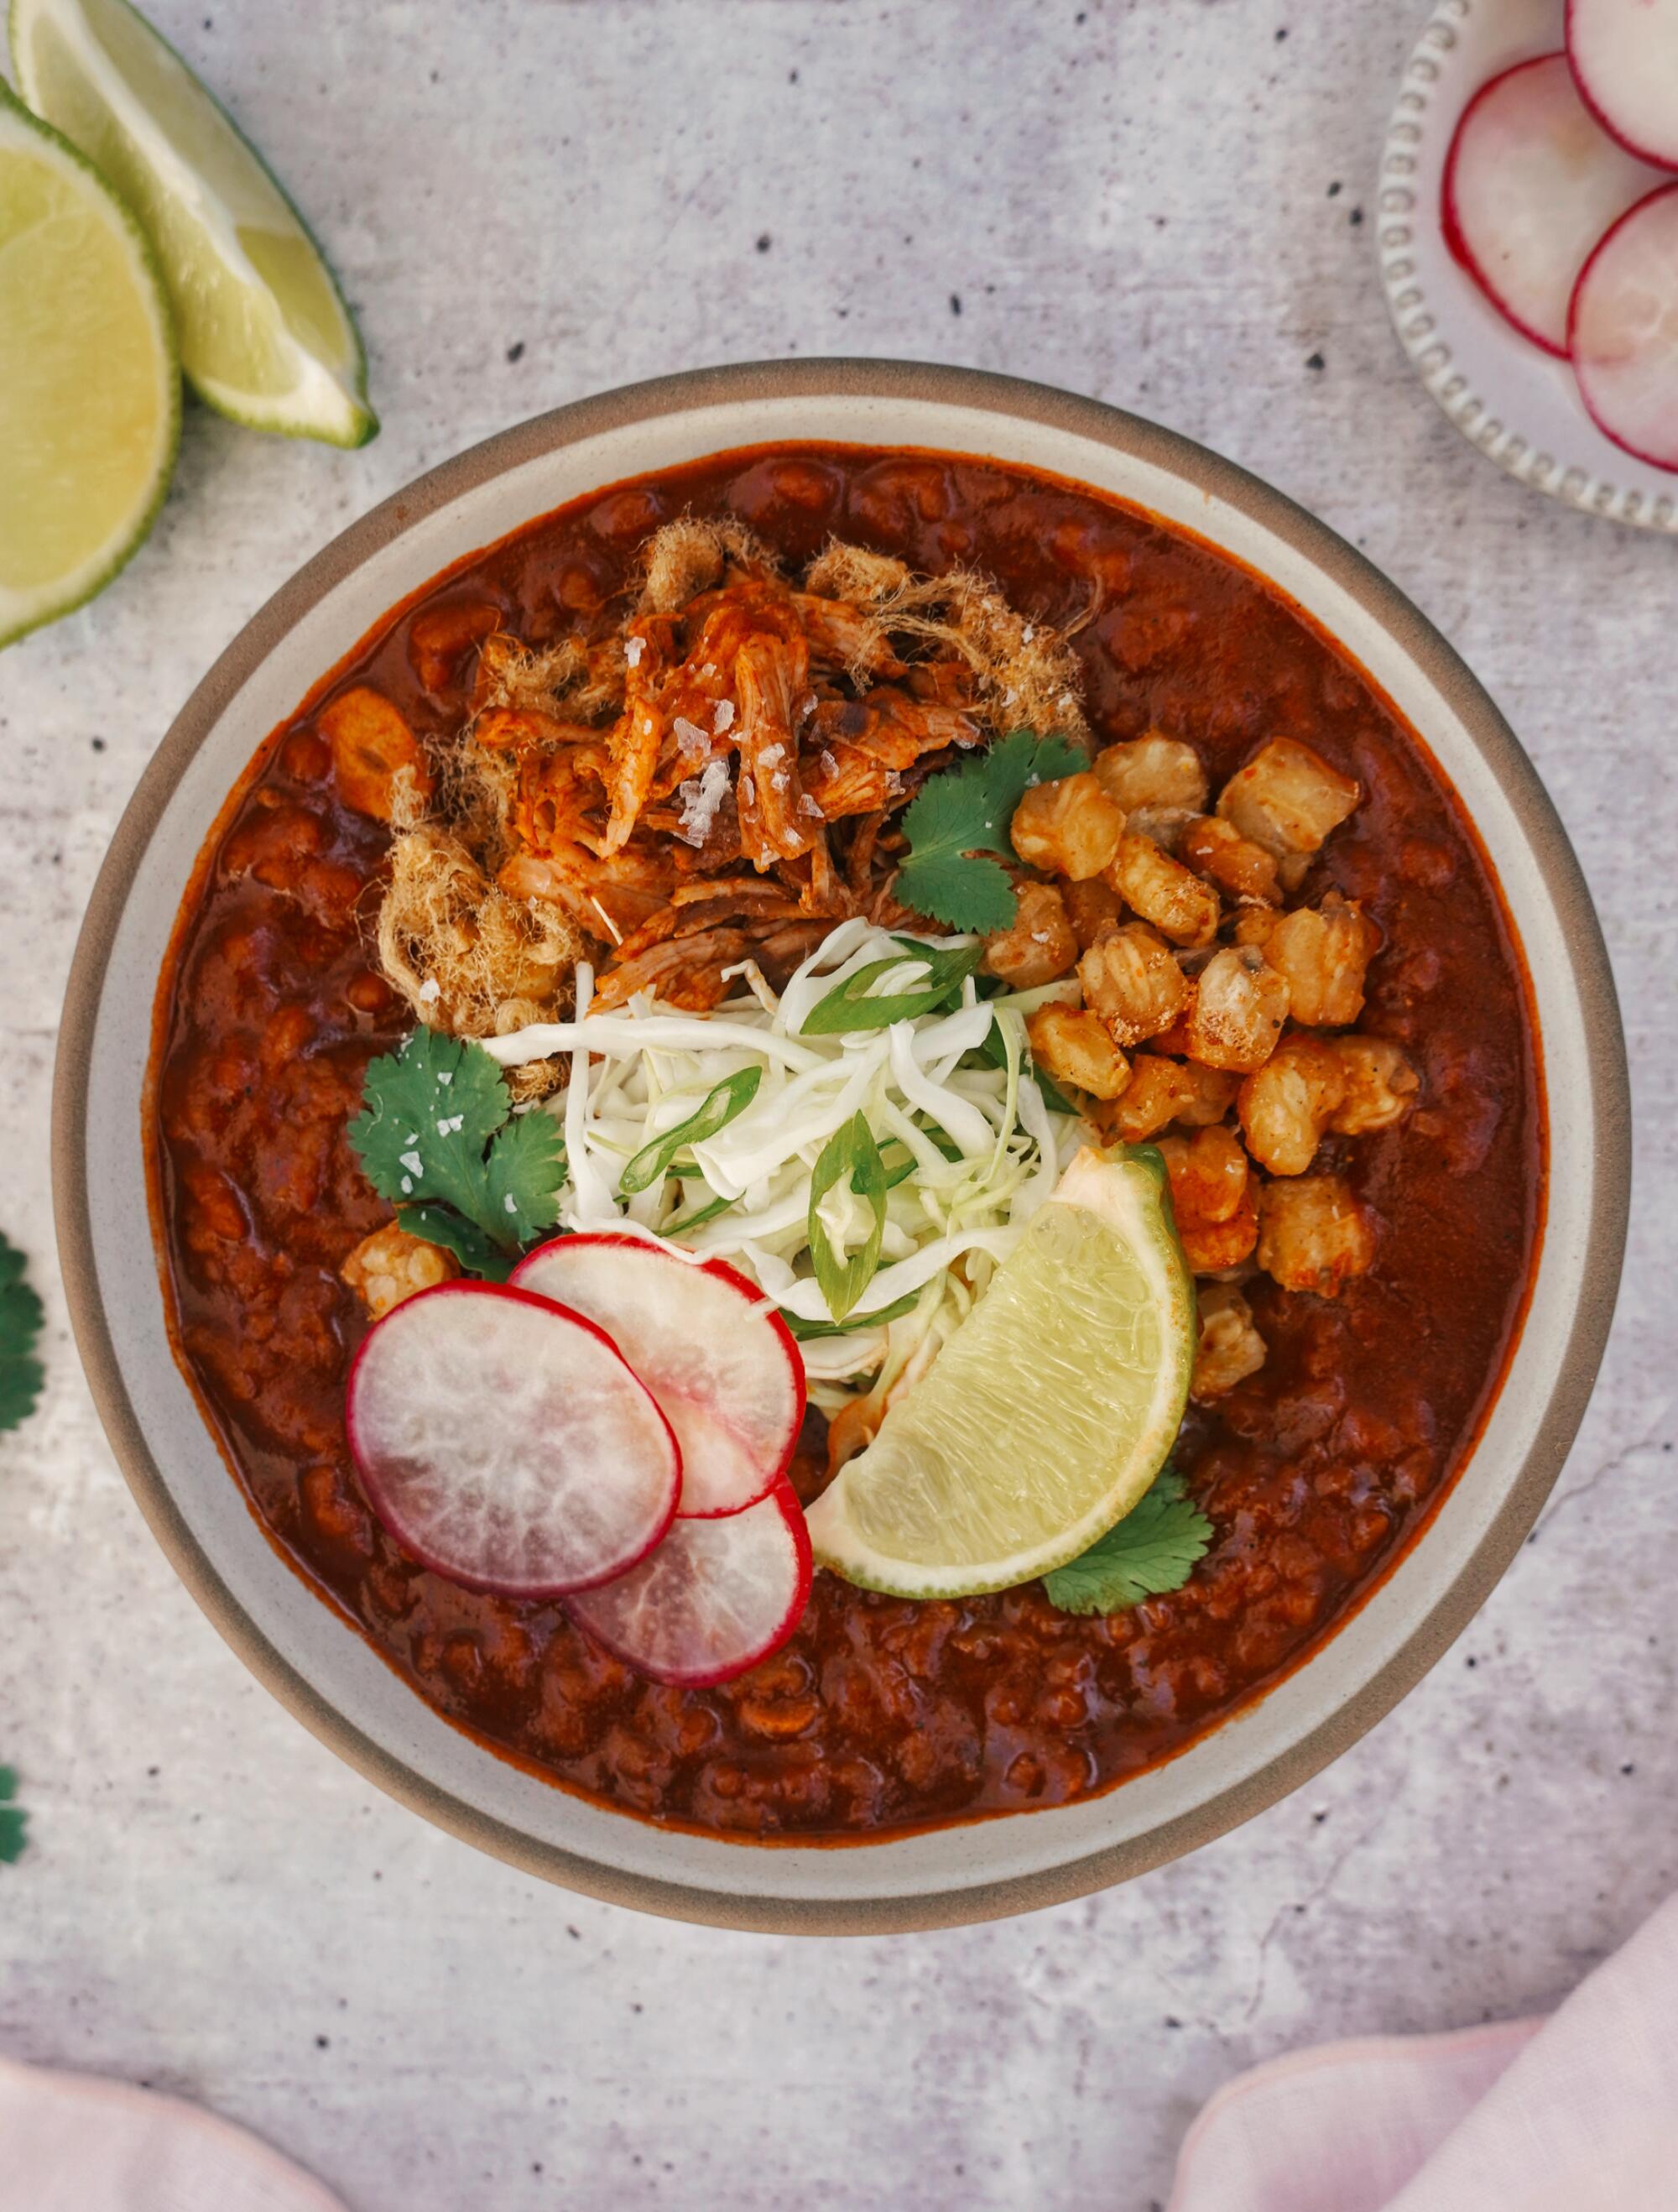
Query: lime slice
[1048, 1413]
[264, 335]
[89, 384]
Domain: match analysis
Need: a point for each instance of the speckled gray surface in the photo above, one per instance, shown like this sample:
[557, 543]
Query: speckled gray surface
[1165, 205]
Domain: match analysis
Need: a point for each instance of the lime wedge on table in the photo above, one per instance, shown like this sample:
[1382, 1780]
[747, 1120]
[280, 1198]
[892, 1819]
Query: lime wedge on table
[89, 385]
[1048, 1413]
[264, 335]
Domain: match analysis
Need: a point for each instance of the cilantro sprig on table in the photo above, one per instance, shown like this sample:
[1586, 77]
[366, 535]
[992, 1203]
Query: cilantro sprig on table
[959, 820]
[20, 1317]
[20, 1381]
[13, 1818]
[1151, 1551]
[437, 1136]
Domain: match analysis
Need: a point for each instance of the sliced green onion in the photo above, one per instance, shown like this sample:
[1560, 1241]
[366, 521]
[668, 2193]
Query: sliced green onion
[897, 1170]
[716, 1110]
[939, 1139]
[705, 1213]
[847, 1006]
[850, 1156]
[806, 1332]
[992, 1053]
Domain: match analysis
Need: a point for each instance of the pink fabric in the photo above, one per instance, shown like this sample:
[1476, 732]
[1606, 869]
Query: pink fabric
[1577, 2113]
[71, 2143]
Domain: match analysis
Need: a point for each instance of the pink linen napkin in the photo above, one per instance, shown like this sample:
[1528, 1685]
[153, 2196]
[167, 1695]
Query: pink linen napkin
[71, 2143]
[1577, 2113]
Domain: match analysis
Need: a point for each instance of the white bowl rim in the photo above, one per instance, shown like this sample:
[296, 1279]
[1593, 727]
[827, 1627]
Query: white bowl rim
[734, 1898]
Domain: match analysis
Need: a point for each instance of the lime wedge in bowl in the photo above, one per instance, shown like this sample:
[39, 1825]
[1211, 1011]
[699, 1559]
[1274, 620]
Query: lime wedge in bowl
[1048, 1412]
[265, 334]
[90, 381]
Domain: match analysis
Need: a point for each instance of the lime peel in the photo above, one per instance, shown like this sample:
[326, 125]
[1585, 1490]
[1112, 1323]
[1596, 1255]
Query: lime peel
[266, 335]
[1048, 1412]
[90, 378]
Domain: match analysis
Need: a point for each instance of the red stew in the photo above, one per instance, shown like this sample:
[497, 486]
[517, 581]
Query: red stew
[879, 1714]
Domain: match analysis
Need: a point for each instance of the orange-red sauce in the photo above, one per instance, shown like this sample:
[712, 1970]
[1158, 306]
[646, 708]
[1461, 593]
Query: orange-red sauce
[879, 1714]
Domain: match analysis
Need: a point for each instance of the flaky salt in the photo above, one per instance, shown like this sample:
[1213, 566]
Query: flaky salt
[701, 797]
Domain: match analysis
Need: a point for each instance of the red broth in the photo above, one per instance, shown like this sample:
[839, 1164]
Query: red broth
[879, 1716]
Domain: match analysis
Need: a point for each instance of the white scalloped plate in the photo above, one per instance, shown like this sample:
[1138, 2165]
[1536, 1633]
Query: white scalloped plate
[1519, 406]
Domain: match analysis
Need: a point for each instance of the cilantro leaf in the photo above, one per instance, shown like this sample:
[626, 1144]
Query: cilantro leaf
[525, 1174]
[960, 818]
[941, 878]
[1152, 1551]
[13, 1818]
[468, 1243]
[436, 1136]
[21, 1318]
[428, 1110]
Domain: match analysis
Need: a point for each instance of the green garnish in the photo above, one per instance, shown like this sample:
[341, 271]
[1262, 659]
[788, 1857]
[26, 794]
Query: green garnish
[705, 1213]
[807, 1331]
[438, 1138]
[716, 1110]
[13, 1818]
[850, 1156]
[21, 1317]
[1152, 1551]
[962, 816]
[847, 1006]
[468, 1243]
[992, 1053]
[897, 1170]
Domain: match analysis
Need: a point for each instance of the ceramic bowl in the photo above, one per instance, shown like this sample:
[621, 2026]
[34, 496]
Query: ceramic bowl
[331, 1680]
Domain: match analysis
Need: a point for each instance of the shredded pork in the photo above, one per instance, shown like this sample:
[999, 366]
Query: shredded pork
[713, 773]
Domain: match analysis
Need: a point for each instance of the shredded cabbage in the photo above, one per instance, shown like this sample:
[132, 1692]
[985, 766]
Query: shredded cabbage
[974, 1148]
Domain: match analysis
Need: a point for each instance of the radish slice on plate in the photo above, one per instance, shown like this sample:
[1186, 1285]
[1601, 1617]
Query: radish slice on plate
[505, 1444]
[715, 1597]
[1625, 55]
[1623, 331]
[720, 1362]
[1531, 183]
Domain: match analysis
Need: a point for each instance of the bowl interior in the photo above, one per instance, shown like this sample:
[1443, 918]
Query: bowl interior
[334, 1681]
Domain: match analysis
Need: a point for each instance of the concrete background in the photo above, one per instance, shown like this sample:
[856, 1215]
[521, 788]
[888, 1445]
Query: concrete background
[1166, 203]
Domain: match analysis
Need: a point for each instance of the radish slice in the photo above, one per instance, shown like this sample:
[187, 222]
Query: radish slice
[715, 1598]
[719, 1361]
[1625, 55]
[1623, 331]
[1531, 184]
[505, 1443]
